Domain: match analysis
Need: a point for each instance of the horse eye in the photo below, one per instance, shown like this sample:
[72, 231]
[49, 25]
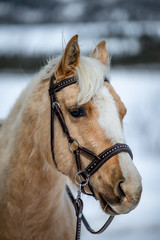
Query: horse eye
[77, 112]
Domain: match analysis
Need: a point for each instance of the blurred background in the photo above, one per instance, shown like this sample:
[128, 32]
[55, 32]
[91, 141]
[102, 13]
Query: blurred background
[33, 31]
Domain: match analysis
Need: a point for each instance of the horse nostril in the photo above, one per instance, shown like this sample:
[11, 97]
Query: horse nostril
[120, 189]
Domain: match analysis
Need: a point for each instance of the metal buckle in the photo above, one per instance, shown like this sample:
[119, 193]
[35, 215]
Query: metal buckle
[82, 182]
[74, 140]
[54, 104]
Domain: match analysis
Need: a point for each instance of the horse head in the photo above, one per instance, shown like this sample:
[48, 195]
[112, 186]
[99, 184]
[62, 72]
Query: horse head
[94, 115]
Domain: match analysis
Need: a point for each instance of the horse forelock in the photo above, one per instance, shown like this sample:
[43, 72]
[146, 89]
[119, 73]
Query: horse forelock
[90, 74]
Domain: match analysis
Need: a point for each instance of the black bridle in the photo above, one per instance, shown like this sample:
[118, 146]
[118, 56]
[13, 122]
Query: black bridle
[82, 176]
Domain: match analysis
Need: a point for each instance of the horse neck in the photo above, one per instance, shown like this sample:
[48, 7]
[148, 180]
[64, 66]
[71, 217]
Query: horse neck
[32, 141]
[33, 180]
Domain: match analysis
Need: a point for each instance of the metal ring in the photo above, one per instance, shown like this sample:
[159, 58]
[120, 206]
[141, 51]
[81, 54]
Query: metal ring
[74, 140]
[83, 183]
[55, 103]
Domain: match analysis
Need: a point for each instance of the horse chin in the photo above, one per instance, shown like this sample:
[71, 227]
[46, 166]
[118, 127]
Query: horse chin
[106, 207]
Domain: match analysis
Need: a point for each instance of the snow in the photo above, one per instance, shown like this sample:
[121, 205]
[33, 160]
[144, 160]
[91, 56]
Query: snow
[11, 85]
[139, 88]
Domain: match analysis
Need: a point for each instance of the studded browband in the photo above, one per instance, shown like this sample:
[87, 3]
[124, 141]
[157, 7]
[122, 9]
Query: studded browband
[82, 176]
[58, 86]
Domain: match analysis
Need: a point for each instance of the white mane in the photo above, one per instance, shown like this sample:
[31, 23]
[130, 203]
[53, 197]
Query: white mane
[90, 73]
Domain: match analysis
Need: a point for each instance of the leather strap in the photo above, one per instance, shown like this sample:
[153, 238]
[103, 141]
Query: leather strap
[79, 169]
[102, 229]
[52, 99]
[104, 157]
[62, 122]
[78, 208]
[58, 86]
[55, 109]
[78, 205]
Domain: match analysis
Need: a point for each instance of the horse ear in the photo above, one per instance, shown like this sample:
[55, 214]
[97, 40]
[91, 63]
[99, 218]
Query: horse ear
[100, 52]
[70, 57]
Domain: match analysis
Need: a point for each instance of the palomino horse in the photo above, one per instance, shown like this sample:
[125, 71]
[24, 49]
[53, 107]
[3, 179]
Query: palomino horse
[33, 200]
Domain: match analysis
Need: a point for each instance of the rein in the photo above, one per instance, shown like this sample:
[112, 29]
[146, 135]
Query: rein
[82, 176]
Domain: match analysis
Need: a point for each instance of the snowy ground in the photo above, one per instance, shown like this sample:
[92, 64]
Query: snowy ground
[139, 88]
